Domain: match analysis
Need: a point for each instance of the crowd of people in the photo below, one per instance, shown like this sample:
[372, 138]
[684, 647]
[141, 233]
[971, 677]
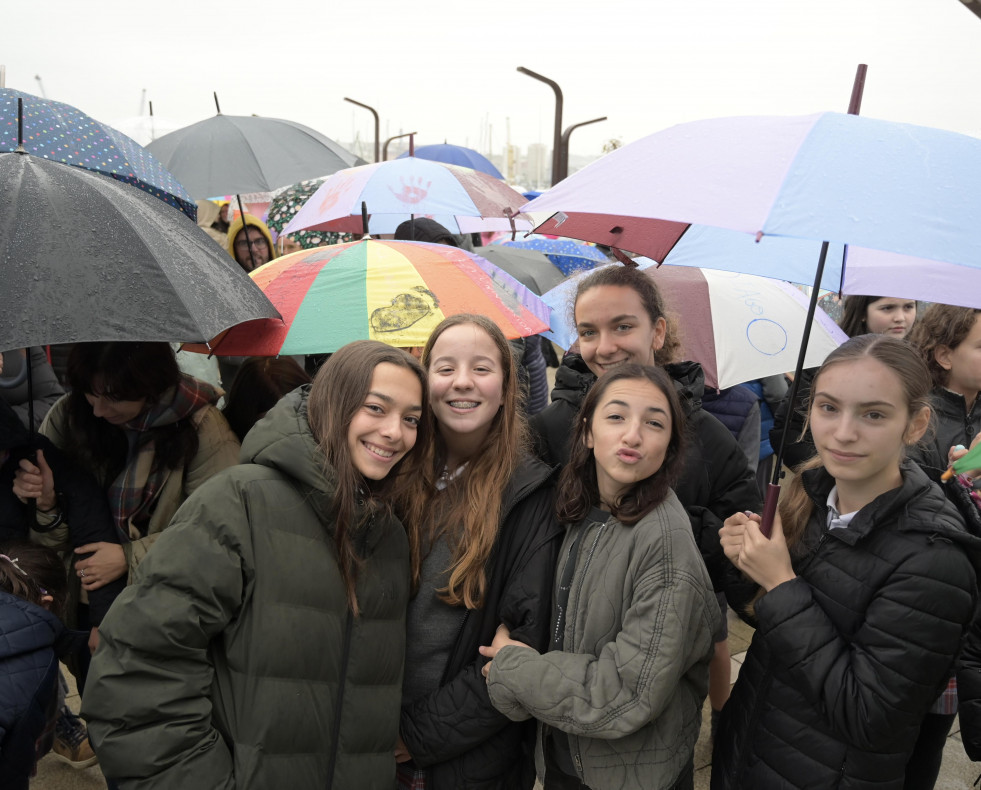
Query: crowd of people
[407, 571]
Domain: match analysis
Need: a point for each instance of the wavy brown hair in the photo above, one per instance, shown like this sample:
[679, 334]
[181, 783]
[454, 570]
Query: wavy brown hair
[619, 275]
[897, 355]
[468, 510]
[578, 489]
[336, 394]
[941, 325]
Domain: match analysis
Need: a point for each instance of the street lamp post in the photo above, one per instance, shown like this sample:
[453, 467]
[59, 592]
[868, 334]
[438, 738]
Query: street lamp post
[564, 171]
[377, 123]
[412, 151]
[557, 135]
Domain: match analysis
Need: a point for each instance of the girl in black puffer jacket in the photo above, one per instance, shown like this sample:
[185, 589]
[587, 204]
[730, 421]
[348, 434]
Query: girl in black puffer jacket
[871, 585]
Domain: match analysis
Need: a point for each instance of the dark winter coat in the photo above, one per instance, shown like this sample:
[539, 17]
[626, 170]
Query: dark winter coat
[716, 481]
[848, 657]
[233, 661]
[952, 424]
[455, 733]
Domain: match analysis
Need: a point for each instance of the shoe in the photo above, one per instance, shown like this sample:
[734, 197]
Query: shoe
[78, 756]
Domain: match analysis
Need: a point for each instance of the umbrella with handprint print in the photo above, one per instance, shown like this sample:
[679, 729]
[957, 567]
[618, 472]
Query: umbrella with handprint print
[458, 198]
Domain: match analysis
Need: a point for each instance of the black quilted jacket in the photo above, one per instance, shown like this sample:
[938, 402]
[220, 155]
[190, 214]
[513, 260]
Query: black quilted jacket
[850, 655]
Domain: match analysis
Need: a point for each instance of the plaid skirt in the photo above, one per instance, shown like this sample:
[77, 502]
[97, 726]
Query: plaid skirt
[408, 777]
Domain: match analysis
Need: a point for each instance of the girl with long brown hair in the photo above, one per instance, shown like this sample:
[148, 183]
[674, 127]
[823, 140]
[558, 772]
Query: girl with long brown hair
[870, 581]
[484, 539]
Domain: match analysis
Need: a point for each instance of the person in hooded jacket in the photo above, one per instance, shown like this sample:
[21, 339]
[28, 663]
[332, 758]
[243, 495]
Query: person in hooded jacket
[249, 242]
[485, 539]
[262, 643]
[620, 317]
[870, 580]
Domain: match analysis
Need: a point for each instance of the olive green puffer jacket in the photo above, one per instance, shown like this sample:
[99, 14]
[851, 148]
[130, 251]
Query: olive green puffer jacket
[233, 660]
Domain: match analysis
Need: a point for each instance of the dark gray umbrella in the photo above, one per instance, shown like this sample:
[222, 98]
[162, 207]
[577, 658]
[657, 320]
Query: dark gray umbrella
[85, 258]
[236, 154]
[529, 267]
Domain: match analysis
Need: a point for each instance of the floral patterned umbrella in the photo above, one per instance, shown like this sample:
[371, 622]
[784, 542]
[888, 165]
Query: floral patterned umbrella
[287, 201]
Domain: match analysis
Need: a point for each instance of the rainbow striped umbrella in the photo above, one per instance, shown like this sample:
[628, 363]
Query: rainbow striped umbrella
[393, 291]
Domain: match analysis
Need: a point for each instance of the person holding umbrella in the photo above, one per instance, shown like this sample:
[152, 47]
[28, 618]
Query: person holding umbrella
[262, 645]
[870, 583]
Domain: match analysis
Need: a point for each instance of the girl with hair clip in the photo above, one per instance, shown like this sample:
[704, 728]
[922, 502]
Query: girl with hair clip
[619, 694]
[33, 590]
[262, 644]
[484, 542]
[870, 584]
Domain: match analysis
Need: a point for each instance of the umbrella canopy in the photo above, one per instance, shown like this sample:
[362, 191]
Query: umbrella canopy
[570, 256]
[529, 267]
[232, 154]
[396, 190]
[897, 194]
[85, 258]
[283, 207]
[739, 327]
[392, 291]
[456, 155]
[62, 133]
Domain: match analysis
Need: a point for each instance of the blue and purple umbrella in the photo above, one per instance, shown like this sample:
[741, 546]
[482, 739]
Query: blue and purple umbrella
[62, 133]
[567, 254]
[456, 155]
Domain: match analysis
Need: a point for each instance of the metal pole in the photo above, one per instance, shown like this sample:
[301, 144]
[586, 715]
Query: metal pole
[557, 135]
[396, 137]
[564, 172]
[377, 123]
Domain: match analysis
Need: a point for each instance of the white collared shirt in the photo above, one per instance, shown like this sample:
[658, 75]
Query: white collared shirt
[837, 520]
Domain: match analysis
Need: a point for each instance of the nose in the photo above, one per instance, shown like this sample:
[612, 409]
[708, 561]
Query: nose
[391, 427]
[98, 406]
[462, 379]
[605, 345]
[631, 433]
[845, 428]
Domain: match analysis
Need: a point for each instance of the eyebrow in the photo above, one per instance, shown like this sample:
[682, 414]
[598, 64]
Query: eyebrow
[655, 409]
[612, 320]
[864, 405]
[390, 399]
[447, 358]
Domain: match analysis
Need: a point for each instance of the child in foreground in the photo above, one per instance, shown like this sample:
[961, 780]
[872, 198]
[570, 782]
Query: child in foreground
[619, 695]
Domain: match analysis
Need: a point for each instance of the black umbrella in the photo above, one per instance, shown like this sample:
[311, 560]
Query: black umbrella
[86, 258]
[236, 154]
[529, 267]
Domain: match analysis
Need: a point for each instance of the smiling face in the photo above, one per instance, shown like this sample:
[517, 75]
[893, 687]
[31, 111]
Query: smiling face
[614, 327]
[860, 423]
[466, 388]
[384, 428]
[889, 316]
[629, 435]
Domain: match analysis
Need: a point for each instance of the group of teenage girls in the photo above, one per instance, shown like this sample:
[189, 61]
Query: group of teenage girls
[390, 567]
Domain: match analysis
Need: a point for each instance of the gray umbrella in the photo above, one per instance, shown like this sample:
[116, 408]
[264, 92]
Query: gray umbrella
[84, 258]
[529, 267]
[236, 154]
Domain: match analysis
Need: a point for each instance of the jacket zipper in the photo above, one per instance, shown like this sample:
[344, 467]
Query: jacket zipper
[345, 658]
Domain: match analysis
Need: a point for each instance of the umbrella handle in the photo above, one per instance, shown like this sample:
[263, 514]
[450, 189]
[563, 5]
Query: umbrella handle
[769, 509]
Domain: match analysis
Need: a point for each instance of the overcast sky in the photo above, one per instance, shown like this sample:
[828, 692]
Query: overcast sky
[447, 69]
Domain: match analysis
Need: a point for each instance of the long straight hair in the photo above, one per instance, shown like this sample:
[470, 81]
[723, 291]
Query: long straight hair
[901, 358]
[578, 489]
[337, 392]
[474, 499]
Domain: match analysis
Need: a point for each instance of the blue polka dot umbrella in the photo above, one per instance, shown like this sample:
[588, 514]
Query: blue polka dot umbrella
[62, 133]
[569, 255]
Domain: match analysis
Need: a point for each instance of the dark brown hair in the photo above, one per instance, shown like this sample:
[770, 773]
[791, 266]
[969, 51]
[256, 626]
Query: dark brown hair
[258, 385]
[855, 313]
[621, 276]
[578, 489]
[130, 372]
[337, 393]
[941, 325]
[31, 572]
[468, 510]
[901, 358]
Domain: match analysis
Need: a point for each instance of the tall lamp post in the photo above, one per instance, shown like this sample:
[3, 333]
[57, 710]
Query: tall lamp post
[564, 167]
[557, 134]
[377, 124]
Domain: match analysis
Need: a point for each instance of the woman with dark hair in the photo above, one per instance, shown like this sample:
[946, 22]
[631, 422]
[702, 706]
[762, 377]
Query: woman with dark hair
[620, 692]
[148, 433]
[484, 542]
[262, 644]
[260, 383]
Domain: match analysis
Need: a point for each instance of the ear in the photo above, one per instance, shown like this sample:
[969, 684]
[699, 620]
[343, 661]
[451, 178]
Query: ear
[588, 438]
[660, 333]
[917, 426]
[942, 356]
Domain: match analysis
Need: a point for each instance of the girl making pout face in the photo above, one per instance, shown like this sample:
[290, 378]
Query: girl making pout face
[628, 667]
[868, 590]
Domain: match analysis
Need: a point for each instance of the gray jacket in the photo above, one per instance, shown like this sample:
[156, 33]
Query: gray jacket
[629, 685]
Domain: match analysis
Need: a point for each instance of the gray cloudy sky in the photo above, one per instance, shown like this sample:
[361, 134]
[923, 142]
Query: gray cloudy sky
[447, 69]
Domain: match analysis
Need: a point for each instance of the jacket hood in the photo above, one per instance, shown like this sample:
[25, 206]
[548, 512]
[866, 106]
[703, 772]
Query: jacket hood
[574, 378]
[236, 225]
[282, 440]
